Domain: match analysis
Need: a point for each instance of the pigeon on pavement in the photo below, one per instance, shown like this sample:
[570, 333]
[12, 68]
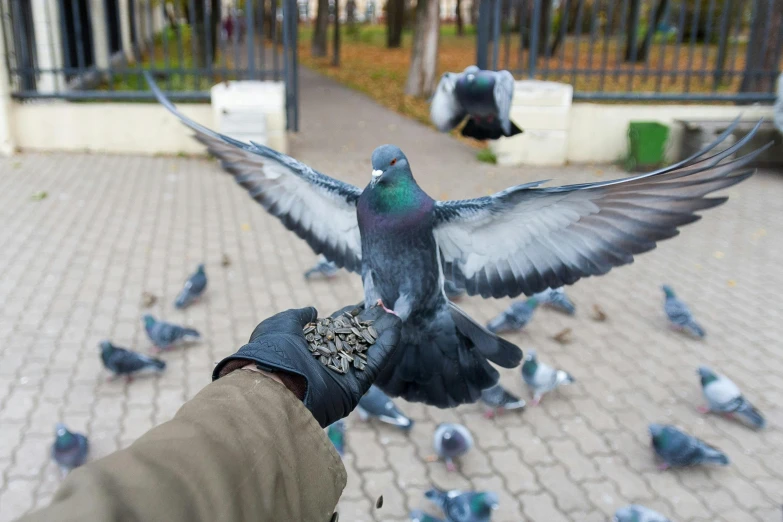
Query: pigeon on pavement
[515, 317]
[483, 96]
[542, 378]
[556, 299]
[378, 405]
[322, 268]
[725, 397]
[677, 449]
[70, 449]
[637, 513]
[336, 434]
[121, 361]
[499, 400]
[451, 441]
[165, 335]
[193, 289]
[521, 240]
[679, 315]
[470, 506]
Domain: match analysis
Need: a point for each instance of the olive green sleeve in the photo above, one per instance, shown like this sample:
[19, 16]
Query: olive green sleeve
[244, 449]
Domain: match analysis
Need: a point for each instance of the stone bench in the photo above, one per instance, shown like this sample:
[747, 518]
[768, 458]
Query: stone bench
[697, 134]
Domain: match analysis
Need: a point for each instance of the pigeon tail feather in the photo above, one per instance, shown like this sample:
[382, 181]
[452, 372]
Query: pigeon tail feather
[496, 349]
[191, 332]
[715, 456]
[694, 329]
[493, 131]
[751, 415]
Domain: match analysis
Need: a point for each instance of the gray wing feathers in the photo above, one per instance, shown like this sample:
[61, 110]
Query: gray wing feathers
[319, 209]
[445, 111]
[504, 93]
[528, 238]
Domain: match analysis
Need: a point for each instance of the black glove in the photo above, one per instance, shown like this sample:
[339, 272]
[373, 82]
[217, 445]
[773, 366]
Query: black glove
[278, 345]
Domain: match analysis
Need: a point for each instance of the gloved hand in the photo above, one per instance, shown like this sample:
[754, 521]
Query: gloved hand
[278, 345]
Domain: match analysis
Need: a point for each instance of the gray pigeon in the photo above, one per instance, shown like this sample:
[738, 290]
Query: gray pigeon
[336, 434]
[323, 268]
[70, 449]
[556, 299]
[677, 449]
[515, 317]
[680, 317]
[450, 442]
[128, 363]
[723, 396]
[542, 378]
[778, 110]
[420, 516]
[483, 96]
[193, 289]
[453, 291]
[165, 335]
[637, 513]
[377, 404]
[521, 240]
[499, 400]
[470, 506]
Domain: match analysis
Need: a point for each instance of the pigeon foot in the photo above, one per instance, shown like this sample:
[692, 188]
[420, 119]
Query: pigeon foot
[380, 303]
[489, 414]
[703, 409]
[663, 466]
[431, 458]
[536, 401]
[450, 466]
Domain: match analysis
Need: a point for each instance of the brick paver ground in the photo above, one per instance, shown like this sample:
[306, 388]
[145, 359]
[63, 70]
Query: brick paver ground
[73, 268]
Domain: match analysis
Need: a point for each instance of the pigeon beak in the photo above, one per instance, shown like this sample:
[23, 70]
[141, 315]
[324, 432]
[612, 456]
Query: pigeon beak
[376, 175]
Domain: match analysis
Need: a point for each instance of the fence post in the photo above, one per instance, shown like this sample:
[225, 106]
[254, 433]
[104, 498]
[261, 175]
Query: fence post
[482, 33]
[7, 145]
[534, 35]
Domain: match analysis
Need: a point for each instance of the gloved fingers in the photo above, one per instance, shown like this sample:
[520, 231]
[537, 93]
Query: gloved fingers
[346, 309]
[288, 322]
[389, 328]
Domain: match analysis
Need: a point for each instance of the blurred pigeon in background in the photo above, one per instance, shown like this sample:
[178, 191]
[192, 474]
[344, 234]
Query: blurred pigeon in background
[778, 110]
[541, 378]
[165, 335]
[420, 516]
[483, 96]
[336, 434]
[556, 299]
[470, 506]
[723, 396]
[121, 361]
[499, 400]
[451, 441]
[521, 240]
[378, 405]
[453, 291]
[322, 268]
[677, 449]
[637, 513]
[69, 450]
[679, 315]
[193, 289]
[515, 317]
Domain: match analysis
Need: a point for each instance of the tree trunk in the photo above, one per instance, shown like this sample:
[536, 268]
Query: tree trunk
[424, 55]
[395, 18]
[760, 62]
[460, 28]
[648, 38]
[336, 35]
[318, 48]
[474, 6]
[206, 37]
[632, 26]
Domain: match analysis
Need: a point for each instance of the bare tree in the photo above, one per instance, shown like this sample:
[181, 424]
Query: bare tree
[321, 26]
[336, 35]
[633, 30]
[395, 19]
[424, 55]
[460, 27]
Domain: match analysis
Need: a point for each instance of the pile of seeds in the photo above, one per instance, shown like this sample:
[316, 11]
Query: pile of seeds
[341, 341]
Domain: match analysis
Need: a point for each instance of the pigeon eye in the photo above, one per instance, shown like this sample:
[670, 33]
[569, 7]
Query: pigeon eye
[392, 162]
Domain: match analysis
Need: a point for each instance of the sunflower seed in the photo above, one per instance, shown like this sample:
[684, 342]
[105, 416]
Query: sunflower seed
[309, 329]
[323, 360]
[379, 502]
[372, 331]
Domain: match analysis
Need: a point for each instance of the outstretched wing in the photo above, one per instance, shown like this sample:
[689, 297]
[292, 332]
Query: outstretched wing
[526, 238]
[445, 111]
[504, 93]
[319, 209]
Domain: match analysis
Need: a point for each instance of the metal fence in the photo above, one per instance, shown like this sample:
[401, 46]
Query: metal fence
[98, 49]
[678, 50]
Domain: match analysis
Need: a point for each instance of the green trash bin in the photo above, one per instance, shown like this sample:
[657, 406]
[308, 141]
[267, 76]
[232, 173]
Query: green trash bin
[647, 144]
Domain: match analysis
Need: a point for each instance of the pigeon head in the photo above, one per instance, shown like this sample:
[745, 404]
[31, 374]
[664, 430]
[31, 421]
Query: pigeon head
[200, 269]
[532, 301]
[531, 355]
[707, 375]
[484, 503]
[64, 438]
[106, 346]
[390, 166]
[149, 321]
[668, 290]
[656, 430]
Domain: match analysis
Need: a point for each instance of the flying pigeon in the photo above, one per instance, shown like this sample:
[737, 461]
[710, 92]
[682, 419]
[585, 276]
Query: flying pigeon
[450, 442]
[556, 299]
[637, 513]
[521, 240]
[420, 516]
[458, 506]
[677, 449]
[193, 289]
[541, 378]
[377, 404]
[499, 400]
[120, 361]
[680, 317]
[515, 317]
[336, 434]
[323, 268]
[165, 335]
[483, 96]
[723, 396]
[453, 292]
[69, 450]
